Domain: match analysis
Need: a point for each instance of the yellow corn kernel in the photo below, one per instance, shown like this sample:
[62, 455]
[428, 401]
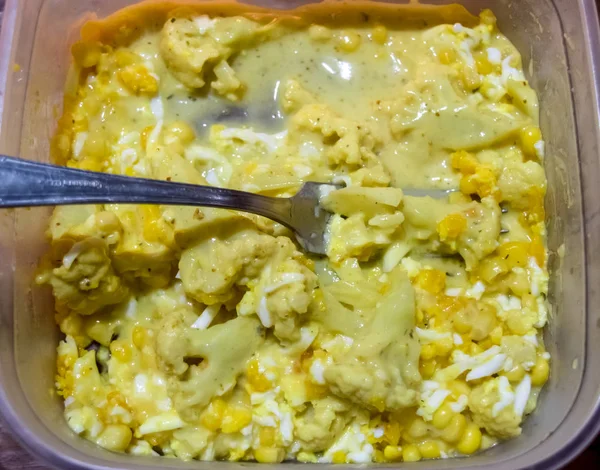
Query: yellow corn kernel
[257, 380]
[464, 162]
[339, 457]
[491, 267]
[516, 374]
[417, 429]
[410, 453]
[137, 79]
[139, 336]
[179, 132]
[115, 437]
[452, 226]
[442, 416]
[120, 350]
[475, 349]
[461, 322]
[484, 66]
[458, 387]
[267, 436]
[269, 455]
[379, 34]
[144, 135]
[428, 368]
[530, 136]
[212, 417]
[314, 391]
[429, 449]
[447, 56]
[496, 335]
[516, 254]
[392, 453]
[431, 280]
[319, 33]
[236, 419]
[349, 41]
[427, 351]
[470, 440]
[540, 372]
[482, 182]
[517, 323]
[444, 346]
[455, 429]
[125, 57]
[391, 432]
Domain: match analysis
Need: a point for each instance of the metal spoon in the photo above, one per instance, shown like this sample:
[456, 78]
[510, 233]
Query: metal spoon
[25, 183]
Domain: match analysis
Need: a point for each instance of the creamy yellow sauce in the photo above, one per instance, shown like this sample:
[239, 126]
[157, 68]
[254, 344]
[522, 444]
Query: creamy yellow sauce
[207, 334]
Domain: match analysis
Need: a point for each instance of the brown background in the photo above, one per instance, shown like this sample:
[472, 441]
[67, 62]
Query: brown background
[13, 457]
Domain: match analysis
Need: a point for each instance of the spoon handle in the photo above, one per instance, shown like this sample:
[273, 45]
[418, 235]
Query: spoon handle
[24, 183]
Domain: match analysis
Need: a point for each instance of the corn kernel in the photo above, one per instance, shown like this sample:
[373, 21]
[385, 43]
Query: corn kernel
[455, 429]
[431, 280]
[487, 17]
[428, 368]
[339, 457]
[447, 56]
[179, 132]
[349, 41]
[538, 250]
[257, 380]
[392, 453]
[444, 346]
[442, 416]
[530, 136]
[516, 254]
[267, 436]
[491, 268]
[458, 388]
[496, 335]
[319, 33]
[115, 437]
[379, 34]
[470, 440]
[410, 453]
[417, 428]
[464, 162]
[392, 432]
[484, 66]
[540, 372]
[516, 374]
[269, 455]
[236, 419]
[475, 349]
[212, 417]
[427, 351]
[429, 449]
[452, 226]
[139, 336]
[85, 54]
[482, 182]
[120, 350]
[137, 79]
[517, 323]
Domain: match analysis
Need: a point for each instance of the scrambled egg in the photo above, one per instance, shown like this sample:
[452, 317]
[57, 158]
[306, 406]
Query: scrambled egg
[207, 334]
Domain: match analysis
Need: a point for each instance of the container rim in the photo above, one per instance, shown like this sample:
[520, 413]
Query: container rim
[570, 448]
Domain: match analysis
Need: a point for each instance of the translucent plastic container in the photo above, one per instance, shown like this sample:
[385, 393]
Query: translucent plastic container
[559, 41]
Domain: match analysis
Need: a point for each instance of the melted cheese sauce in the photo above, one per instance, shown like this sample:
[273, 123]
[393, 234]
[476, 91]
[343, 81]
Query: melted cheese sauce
[206, 334]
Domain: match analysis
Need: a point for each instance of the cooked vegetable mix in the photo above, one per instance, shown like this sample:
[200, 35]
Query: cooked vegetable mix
[207, 334]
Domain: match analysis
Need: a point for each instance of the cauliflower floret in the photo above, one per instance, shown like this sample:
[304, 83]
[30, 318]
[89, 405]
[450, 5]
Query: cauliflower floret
[220, 359]
[190, 50]
[498, 421]
[212, 268]
[86, 282]
[321, 424]
[519, 178]
[380, 372]
[348, 142]
[283, 292]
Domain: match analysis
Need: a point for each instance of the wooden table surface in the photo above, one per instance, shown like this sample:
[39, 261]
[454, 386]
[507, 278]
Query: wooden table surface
[13, 457]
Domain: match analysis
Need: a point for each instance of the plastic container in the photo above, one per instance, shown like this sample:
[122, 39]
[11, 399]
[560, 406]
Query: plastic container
[560, 43]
